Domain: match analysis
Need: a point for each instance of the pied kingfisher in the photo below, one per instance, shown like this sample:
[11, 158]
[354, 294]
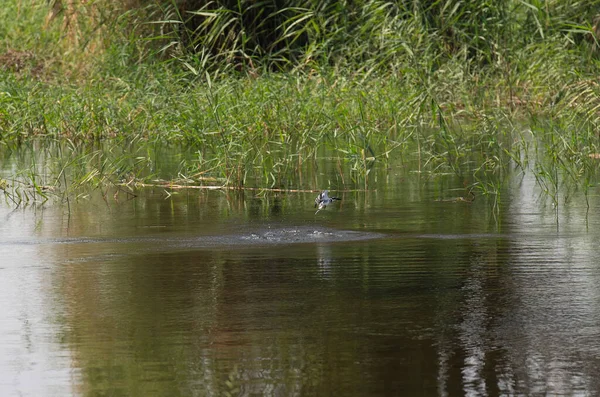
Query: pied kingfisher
[323, 200]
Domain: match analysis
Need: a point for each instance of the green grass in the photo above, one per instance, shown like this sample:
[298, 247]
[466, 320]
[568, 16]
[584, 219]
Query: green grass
[515, 88]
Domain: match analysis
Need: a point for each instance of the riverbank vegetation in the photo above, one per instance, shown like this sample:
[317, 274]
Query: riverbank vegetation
[257, 93]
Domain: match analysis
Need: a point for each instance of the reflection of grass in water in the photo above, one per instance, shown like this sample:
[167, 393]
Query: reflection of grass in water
[482, 152]
[65, 171]
[569, 157]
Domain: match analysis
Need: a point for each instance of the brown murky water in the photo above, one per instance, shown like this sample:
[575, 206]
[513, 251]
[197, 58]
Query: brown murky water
[391, 292]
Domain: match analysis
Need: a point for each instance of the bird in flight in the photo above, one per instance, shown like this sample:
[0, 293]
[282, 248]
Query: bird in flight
[323, 200]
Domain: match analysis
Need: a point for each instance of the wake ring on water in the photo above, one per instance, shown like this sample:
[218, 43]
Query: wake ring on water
[303, 234]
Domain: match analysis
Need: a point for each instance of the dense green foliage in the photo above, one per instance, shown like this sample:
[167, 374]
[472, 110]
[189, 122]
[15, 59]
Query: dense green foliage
[259, 89]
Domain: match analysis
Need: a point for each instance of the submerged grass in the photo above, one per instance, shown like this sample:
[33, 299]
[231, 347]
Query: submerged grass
[257, 97]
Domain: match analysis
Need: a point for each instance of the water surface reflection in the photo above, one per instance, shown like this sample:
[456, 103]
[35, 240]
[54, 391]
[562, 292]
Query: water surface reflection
[128, 298]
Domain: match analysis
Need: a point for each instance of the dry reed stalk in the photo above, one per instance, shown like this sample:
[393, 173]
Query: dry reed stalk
[224, 187]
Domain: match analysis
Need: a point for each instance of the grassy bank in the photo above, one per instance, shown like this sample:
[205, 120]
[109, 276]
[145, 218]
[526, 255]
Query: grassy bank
[471, 90]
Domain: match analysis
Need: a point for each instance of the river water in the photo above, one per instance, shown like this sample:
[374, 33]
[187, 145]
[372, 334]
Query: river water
[400, 290]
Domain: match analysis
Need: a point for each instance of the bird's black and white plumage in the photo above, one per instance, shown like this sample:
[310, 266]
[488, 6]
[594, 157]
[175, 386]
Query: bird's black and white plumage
[323, 200]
